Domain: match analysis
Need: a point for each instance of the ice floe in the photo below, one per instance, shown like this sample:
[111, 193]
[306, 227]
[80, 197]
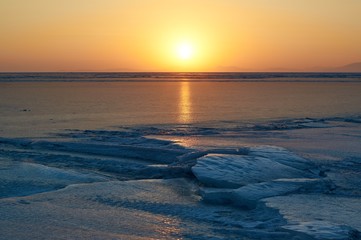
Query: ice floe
[260, 172]
[233, 171]
[282, 156]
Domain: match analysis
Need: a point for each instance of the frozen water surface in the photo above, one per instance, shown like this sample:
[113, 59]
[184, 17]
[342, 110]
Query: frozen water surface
[149, 209]
[322, 216]
[99, 185]
[22, 178]
[153, 160]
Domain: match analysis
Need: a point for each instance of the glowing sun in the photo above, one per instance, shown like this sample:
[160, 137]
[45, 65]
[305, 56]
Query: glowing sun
[185, 51]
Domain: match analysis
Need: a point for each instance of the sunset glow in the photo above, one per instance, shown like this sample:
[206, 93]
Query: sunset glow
[180, 119]
[155, 35]
[185, 51]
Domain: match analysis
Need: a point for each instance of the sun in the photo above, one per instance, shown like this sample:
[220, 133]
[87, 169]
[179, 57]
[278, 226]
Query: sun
[185, 51]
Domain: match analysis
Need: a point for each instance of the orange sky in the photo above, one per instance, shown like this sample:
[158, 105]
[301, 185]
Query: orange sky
[144, 35]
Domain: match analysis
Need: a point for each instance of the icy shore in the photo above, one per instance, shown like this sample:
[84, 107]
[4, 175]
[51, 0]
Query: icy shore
[185, 182]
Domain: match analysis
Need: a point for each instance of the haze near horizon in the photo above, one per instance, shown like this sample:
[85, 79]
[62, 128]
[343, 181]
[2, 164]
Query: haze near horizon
[154, 35]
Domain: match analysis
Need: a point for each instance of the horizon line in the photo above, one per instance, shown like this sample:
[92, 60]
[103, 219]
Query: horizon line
[101, 71]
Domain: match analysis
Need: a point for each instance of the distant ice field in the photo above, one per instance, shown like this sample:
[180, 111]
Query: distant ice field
[34, 104]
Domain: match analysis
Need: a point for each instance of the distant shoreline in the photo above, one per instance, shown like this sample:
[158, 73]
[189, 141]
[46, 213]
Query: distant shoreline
[179, 77]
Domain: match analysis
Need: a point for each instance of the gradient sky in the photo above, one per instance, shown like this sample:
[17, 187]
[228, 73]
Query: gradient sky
[143, 35]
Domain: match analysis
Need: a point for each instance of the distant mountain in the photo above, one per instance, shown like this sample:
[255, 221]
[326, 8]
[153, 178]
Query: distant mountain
[353, 67]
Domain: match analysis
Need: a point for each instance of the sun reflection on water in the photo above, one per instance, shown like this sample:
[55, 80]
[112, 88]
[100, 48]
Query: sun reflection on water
[169, 227]
[184, 105]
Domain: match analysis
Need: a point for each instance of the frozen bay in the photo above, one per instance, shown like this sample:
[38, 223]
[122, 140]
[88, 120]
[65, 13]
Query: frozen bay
[161, 160]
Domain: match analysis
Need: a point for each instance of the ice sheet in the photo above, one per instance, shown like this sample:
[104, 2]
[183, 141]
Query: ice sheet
[22, 178]
[143, 209]
[260, 188]
[322, 216]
